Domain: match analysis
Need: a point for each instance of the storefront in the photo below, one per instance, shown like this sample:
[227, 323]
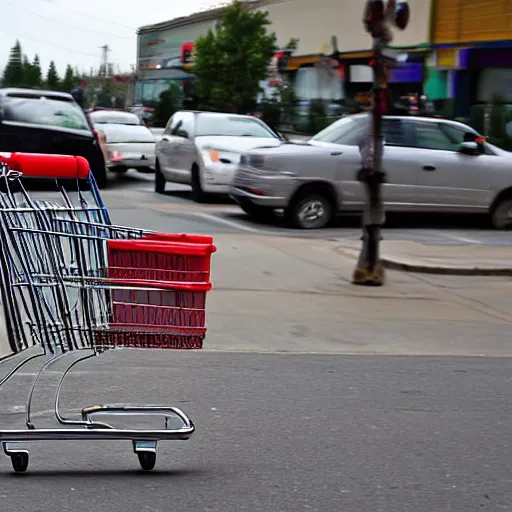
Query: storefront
[471, 52]
[330, 17]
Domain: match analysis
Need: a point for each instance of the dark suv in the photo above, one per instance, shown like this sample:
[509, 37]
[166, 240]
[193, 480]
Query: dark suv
[33, 121]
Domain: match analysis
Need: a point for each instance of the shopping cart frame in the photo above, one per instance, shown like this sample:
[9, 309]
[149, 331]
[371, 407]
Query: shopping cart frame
[13, 441]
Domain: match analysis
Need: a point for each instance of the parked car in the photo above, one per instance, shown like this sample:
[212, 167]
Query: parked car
[129, 143]
[34, 121]
[432, 165]
[203, 149]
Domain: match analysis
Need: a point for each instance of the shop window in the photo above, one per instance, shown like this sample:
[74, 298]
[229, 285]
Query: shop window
[316, 83]
[495, 82]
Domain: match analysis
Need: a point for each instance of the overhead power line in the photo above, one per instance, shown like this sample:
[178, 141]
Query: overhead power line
[34, 40]
[76, 27]
[87, 15]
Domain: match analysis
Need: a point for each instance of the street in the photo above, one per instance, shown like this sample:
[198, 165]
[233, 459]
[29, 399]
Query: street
[310, 394]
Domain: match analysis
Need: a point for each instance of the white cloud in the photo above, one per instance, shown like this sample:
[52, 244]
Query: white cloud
[71, 32]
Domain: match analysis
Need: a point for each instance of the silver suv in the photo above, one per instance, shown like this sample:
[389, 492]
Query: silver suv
[432, 165]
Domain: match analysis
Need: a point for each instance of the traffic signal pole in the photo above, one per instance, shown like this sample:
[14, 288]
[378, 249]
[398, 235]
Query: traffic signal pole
[378, 18]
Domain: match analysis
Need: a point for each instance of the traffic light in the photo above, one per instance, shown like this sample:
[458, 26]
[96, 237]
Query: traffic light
[282, 57]
[187, 53]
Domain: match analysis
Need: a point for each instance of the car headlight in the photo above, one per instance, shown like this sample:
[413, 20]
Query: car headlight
[265, 164]
[215, 156]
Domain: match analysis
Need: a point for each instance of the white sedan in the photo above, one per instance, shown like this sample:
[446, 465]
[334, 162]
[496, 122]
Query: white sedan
[128, 143]
[203, 149]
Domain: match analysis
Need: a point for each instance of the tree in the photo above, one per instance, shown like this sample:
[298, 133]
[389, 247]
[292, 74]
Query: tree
[31, 73]
[231, 61]
[169, 102]
[69, 80]
[52, 77]
[27, 68]
[13, 73]
[35, 80]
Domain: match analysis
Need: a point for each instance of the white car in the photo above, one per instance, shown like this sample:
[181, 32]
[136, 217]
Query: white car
[129, 144]
[432, 165]
[203, 149]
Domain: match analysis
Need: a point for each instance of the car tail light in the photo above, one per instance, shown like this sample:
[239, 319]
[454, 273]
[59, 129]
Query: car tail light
[116, 156]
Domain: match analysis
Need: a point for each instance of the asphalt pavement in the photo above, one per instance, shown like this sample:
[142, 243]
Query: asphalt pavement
[282, 433]
[300, 398]
[132, 195]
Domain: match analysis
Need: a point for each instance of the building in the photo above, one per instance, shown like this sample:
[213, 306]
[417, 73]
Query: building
[161, 49]
[314, 28]
[471, 59]
[311, 74]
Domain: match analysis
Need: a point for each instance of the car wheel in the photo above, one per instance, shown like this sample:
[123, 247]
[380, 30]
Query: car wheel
[198, 194]
[502, 214]
[256, 211]
[159, 180]
[312, 210]
[101, 178]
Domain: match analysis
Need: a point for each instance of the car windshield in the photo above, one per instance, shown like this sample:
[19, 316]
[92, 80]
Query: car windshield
[337, 130]
[44, 110]
[232, 126]
[115, 118]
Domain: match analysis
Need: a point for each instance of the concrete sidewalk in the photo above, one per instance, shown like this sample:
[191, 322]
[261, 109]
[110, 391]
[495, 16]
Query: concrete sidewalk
[288, 295]
[295, 295]
[457, 260]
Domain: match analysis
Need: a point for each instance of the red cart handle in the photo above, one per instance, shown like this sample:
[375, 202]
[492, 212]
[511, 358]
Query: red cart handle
[37, 165]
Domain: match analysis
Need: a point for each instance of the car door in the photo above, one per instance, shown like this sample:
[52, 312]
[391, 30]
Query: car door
[166, 148]
[184, 147]
[446, 178]
[399, 189]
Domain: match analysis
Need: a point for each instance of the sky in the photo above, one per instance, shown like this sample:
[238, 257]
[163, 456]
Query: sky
[71, 32]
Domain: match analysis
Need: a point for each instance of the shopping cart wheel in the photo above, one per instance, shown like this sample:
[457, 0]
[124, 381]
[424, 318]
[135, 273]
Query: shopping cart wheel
[147, 460]
[19, 461]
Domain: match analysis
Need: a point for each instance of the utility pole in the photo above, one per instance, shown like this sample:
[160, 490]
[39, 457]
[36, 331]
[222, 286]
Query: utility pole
[379, 16]
[105, 49]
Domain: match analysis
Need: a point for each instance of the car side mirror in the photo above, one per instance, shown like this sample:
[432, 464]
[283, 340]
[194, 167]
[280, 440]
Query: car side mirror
[470, 148]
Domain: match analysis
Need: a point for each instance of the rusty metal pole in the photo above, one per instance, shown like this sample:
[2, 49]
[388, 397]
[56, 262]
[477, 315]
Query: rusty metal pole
[378, 17]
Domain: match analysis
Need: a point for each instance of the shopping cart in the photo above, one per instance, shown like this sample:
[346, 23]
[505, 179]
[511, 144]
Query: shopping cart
[72, 283]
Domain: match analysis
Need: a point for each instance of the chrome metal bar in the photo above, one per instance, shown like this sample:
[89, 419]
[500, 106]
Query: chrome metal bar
[20, 365]
[121, 410]
[67, 421]
[32, 389]
[61, 434]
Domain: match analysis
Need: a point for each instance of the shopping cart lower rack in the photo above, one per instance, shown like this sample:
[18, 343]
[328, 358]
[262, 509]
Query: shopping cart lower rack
[74, 283]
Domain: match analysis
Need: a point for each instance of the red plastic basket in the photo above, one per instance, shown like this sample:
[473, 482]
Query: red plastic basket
[159, 259]
[159, 285]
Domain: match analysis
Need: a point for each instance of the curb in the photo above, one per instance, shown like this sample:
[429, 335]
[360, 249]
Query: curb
[416, 268]
[451, 271]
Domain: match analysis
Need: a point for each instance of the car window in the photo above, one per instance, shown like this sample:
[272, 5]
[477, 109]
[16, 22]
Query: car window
[115, 118]
[168, 126]
[430, 136]
[174, 123]
[188, 123]
[44, 110]
[342, 131]
[231, 126]
[394, 133]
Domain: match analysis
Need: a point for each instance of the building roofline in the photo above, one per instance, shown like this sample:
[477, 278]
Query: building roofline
[183, 20]
[208, 15]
